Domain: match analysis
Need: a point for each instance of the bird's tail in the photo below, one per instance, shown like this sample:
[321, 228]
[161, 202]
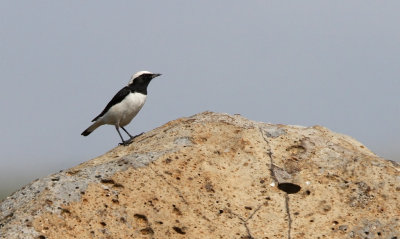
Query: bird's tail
[91, 128]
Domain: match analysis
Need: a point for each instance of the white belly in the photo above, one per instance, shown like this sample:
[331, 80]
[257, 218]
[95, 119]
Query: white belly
[122, 113]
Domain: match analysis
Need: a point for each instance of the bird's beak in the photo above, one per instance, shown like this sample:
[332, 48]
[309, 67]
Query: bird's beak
[155, 75]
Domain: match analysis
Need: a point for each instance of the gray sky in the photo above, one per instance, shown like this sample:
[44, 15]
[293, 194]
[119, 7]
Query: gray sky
[335, 64]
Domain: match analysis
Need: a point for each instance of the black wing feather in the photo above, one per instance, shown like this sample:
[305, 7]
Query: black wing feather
[115, 100]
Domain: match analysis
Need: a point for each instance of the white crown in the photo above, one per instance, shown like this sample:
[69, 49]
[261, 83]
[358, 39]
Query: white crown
[137, 74]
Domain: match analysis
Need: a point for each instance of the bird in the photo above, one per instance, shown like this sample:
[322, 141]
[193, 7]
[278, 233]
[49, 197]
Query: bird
[125, 105]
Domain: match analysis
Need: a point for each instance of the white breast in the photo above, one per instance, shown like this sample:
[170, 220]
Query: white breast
[122, 113]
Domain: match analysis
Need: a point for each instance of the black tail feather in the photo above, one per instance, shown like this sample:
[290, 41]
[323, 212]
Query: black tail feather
[86, 133]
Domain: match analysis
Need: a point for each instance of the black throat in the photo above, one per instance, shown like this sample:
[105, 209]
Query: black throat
[140, 84]
[139, 89]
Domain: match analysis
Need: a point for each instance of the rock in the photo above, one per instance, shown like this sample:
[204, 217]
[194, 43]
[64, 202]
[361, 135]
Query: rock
[216, 176]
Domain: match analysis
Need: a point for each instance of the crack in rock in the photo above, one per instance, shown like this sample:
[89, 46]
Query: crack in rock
[245, 221]
[273, 169]
[170, 184]
[288, 214]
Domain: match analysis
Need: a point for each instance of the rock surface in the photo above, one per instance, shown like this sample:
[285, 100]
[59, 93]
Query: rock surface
[216, 176]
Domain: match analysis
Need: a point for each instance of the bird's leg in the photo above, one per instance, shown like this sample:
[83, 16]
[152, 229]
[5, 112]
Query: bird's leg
[127, 132]
[132, 137]
[123, 141]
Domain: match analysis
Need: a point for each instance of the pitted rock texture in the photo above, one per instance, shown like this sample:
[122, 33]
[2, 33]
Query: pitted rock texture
[216, 176]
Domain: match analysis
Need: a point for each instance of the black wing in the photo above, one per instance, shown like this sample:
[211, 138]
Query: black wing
[115, 100]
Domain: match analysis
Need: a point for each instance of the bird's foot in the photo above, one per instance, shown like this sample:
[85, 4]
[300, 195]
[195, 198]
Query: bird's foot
[136, 135]
[129, 141]
[126, 142]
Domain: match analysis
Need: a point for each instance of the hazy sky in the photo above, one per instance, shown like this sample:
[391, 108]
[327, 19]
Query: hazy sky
[329, 63]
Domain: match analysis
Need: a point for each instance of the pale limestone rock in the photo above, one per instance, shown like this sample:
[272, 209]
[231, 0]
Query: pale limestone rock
[216, 176]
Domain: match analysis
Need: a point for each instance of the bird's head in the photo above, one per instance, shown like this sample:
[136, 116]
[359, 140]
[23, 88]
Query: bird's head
[142, 78]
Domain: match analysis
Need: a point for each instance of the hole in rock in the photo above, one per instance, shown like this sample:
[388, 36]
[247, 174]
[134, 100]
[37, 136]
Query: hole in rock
[140, 216]
[179, 230]
[107, 181]
[147, 231]
[289, 188]
[118, 185]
